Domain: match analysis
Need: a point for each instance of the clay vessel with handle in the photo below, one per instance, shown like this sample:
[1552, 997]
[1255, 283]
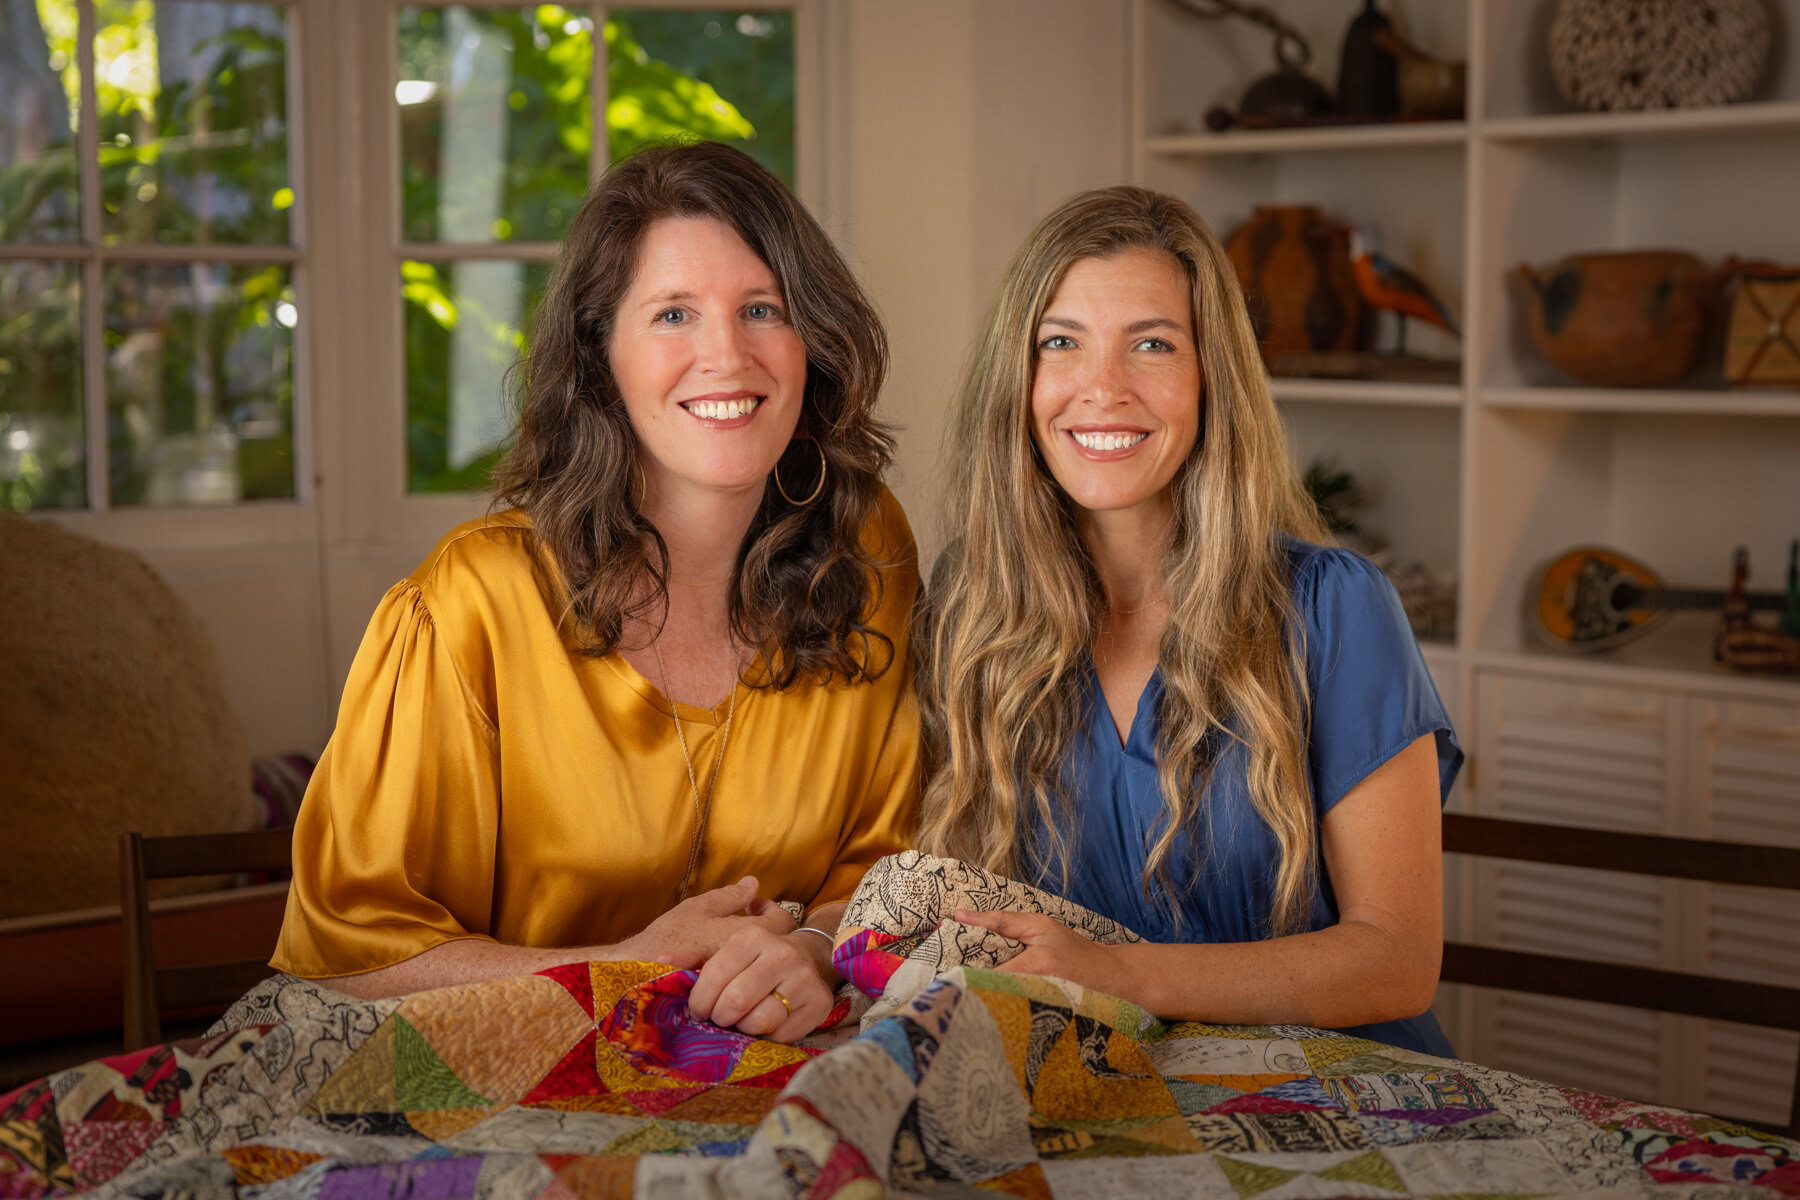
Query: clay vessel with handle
[1626, 318]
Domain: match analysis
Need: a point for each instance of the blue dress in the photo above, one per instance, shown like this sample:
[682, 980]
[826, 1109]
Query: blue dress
[1372, 697]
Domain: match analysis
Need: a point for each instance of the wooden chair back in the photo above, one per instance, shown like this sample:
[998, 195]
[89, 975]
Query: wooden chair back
[151, 990]
[1739, 864]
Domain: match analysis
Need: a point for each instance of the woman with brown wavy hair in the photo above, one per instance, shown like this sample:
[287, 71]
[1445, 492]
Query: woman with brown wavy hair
[1148, 687]
[668, 684]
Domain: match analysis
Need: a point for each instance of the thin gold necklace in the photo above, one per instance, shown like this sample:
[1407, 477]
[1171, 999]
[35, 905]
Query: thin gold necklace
[1131, 612]
[702, 808]
[1101, 635]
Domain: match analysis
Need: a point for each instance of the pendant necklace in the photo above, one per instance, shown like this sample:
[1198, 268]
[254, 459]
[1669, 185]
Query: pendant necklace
[702, 807]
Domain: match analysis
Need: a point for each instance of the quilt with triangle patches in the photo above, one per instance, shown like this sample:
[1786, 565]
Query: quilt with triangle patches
[591, 1080]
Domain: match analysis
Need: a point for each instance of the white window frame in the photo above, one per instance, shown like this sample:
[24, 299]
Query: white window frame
[262, 522]
[373, 455]
[349, 421]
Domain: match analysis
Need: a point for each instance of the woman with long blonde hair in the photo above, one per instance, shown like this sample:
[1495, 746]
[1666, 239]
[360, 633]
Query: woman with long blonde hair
[1147, 685]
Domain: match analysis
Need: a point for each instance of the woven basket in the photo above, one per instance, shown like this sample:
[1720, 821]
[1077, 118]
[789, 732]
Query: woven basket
[1638, 54]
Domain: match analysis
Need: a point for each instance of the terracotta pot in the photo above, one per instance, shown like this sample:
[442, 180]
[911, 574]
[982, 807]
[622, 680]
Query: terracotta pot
[1294, 267]
[1630, 318]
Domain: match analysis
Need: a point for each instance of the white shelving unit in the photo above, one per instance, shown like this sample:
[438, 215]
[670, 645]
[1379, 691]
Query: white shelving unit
[1287, 141]
[1746, 402]
[1493, 475]
[1354, 391]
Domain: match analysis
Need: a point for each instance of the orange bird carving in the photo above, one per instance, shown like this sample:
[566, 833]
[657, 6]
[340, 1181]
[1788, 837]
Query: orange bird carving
[1385, 284]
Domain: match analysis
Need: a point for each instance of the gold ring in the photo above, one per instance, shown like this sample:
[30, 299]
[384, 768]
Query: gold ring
[784, 1001]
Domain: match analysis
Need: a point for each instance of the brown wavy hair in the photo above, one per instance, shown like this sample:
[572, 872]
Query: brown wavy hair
[1011, 615]
[804, 584]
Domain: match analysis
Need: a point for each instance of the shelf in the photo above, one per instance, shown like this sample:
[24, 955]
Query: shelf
[1607, 670]
[1748, 402]
[1773, 117]
[1364, 391]
[1311, 138]
[1491, 471]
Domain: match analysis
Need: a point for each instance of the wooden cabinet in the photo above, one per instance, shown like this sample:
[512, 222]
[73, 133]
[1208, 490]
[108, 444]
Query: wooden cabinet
[1490, 475]
[1650, 761]
[1600, 757]
[1745, 779]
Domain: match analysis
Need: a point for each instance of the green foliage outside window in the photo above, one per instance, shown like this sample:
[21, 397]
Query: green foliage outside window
[435, 310]
[199, 383]
[747, 57]
[38, 76]
[726, 66]
[194, 150]
[199, 159]
[41, 451]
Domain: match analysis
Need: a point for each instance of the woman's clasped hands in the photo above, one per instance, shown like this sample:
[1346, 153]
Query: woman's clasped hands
[754, 975]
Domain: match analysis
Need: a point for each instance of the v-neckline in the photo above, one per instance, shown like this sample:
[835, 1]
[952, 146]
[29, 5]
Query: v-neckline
[1122, 741]
[694, 714]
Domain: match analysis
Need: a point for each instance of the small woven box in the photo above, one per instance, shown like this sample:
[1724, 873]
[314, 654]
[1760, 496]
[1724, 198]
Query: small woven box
[1763, 337]
[1762, 341]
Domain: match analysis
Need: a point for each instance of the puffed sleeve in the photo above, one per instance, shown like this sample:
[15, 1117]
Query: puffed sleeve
[1372, 695]
[394, 845]
[884, 817]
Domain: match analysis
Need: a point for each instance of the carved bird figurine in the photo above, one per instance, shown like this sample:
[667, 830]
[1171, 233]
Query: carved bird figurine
[1385, 284]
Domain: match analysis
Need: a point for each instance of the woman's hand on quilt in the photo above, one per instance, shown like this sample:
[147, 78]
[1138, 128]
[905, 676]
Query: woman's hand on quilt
[745, 983]
[692, 932]
[1052, 948]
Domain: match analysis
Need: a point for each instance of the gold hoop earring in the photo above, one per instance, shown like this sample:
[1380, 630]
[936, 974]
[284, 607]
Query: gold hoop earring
[817, 487]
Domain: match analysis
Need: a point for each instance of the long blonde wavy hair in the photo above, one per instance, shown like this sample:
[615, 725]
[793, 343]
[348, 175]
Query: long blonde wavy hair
[1009, 621]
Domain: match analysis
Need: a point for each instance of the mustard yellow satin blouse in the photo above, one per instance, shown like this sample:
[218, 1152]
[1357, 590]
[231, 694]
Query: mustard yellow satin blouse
[486, 782]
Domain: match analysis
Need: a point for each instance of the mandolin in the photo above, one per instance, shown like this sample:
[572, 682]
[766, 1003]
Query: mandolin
[1590, 599]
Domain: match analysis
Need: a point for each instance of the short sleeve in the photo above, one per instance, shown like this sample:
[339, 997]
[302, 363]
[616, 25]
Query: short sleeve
[1372, 695]
[395, 841]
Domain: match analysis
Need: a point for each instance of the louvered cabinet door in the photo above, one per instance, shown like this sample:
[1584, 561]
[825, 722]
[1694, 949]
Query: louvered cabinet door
[1748, 782]
[1453, 1005]
[1601, 758]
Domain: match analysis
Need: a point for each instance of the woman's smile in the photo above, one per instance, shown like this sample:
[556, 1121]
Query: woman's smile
[723, 410]
[1106, 443]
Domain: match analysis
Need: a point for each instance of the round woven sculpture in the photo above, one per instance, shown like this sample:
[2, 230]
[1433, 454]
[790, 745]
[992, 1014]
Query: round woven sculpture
[1637, 54]
[112, 717]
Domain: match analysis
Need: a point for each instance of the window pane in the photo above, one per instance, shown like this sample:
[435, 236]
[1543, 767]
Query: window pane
[193, 121]
[199, 383]
[495, 121]
[40, 90]
[465, 325]
[42, 459]
[723, 75]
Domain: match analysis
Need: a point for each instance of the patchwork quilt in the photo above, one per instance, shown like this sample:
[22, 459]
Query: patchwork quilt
[960, 1080]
